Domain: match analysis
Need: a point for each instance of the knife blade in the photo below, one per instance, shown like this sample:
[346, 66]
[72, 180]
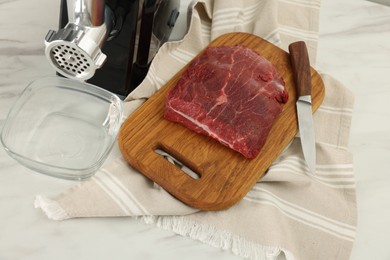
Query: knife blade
[301, 70]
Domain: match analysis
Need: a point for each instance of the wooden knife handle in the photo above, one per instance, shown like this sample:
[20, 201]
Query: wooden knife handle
[301, 67]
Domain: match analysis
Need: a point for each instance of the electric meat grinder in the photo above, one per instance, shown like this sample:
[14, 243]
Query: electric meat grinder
[110, 43]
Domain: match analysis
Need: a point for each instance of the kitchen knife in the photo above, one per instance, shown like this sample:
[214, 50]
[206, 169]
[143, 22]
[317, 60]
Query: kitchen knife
[301, 70]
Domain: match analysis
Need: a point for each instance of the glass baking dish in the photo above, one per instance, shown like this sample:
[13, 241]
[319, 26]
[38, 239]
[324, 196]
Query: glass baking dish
[62, 128]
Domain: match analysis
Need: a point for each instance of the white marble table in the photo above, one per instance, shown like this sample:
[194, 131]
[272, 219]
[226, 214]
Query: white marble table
[354, 47]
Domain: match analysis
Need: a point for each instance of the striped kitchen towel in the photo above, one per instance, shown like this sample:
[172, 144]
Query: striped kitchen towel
[288, 210]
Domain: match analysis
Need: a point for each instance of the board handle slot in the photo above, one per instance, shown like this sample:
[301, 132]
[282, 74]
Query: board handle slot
[177, 163]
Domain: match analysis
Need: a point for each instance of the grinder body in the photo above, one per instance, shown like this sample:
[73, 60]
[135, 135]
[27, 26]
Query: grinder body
[112, 49]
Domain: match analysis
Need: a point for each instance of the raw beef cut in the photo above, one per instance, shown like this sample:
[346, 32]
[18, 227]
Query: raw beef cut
[229, 93]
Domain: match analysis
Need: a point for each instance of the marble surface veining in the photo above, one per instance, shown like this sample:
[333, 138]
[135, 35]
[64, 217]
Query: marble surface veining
[354, 47]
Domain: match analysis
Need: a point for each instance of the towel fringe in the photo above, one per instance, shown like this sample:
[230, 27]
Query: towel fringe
[51, 208]
[217, 238]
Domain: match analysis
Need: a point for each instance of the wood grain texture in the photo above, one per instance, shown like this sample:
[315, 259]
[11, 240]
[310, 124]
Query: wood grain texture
[300, 66]
[225, 175]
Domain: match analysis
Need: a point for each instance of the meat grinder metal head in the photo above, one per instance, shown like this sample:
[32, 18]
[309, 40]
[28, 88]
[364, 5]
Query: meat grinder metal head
[75, 50]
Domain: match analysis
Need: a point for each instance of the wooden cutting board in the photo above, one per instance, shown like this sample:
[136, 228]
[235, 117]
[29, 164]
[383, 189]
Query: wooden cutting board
[225, 175]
